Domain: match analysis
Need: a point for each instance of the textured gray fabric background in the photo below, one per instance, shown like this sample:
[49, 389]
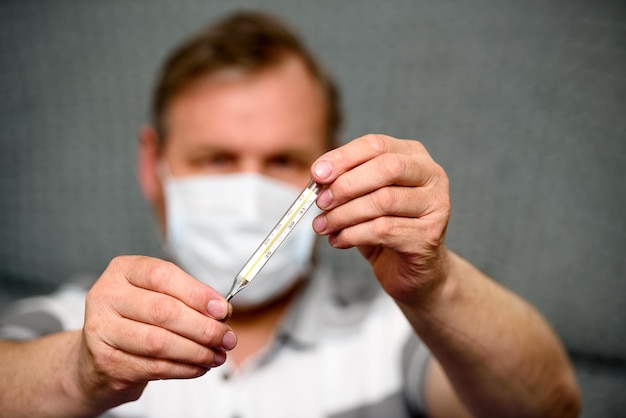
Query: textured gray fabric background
[523, 103]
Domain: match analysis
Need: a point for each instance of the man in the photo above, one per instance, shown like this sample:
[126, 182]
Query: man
[241, 115]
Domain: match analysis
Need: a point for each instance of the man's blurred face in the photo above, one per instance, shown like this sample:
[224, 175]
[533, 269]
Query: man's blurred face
[272, 123]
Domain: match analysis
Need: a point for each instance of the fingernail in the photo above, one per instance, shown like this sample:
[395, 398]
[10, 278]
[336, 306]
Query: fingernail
[325, 199]
[319, 224]
[322, 169]
[219, 358]
[332, 240]
[217, 309]
[229, 341]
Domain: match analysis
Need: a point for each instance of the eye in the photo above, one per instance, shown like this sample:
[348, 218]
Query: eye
[288, 167]
[285, 161]
[219, 159]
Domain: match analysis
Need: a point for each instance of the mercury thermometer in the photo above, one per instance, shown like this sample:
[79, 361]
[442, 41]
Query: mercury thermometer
[276, 237]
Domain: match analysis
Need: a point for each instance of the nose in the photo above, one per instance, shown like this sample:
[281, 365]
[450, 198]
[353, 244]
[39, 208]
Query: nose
[251, 165]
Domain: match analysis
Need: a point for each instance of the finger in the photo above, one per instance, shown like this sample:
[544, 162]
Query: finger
[384, 170]
[410, 202]
[132, 368]
[336, 162]
[157, 369]
[166, 312]
[165, 277]
[154, 342]
[397, 234]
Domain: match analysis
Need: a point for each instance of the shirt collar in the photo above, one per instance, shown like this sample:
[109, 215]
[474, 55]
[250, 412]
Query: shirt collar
[302, 324]
[325, 304]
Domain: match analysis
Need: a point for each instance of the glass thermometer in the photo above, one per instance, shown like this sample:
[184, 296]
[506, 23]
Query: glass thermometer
[276, 237]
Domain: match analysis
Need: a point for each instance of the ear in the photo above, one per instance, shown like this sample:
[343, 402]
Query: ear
[148, 160]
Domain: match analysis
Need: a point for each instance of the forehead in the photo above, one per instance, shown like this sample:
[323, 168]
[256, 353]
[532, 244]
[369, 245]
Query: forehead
[280, 107]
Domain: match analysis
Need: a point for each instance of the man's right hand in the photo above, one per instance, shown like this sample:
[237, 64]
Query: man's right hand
[146, 319]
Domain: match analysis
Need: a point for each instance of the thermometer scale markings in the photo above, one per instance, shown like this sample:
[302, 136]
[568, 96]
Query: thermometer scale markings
[275, 238]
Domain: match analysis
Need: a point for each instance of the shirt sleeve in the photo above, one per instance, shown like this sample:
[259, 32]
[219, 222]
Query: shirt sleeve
[42, 315]
[415, 358]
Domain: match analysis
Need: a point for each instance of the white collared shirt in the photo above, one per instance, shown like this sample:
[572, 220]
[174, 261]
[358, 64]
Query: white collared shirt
[331, 357]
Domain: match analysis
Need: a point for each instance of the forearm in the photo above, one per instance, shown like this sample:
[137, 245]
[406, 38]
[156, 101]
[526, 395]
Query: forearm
[39, 378]
[499, 354]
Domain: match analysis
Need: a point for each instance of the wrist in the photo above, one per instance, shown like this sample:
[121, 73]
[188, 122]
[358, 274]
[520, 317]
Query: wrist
[440, 297]
[73, 381]
[432, 282]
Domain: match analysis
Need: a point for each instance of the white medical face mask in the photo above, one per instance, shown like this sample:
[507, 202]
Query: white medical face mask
[216, 222]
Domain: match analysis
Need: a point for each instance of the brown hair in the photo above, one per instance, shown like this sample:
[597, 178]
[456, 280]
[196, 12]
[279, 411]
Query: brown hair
[249, 41]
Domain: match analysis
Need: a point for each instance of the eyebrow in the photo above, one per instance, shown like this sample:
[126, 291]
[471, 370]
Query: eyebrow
[295, 152]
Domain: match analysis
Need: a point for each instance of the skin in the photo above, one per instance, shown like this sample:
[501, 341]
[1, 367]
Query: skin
[390, 199]
[146, 319]
[271, 124]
